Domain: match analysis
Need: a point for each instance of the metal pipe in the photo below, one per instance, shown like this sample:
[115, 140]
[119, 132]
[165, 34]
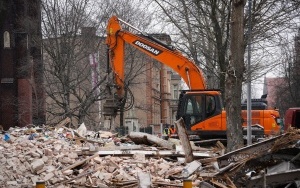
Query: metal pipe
[188, 77]
[107, 62]
[147, 35]
[131, 26]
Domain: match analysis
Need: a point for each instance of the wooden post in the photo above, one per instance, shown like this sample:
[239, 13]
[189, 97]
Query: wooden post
[182, 133]
[187, 183]
[40, 184]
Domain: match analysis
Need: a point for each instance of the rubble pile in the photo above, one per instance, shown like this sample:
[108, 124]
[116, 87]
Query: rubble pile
[62, 157]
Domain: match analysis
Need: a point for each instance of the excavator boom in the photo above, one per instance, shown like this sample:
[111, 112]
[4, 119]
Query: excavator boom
[117, 37]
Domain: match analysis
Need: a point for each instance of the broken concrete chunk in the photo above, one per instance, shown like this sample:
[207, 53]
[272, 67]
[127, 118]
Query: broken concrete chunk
[174, 170]
[37, 165]
[111, 169]
[144, 180]
[50, 168]
[39, 151]
[48, 152]
[73, 155]
[139, 157]
[97, 160]
[107, 177]
[35, 154]
[41, 171]
[67, 172]
[45, 159]
[82, 130]
[57, 147]
[34, 179]
[190, 168]
[12, 183]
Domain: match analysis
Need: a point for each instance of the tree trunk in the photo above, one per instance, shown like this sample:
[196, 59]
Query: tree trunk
[234, 77]
[144, 138]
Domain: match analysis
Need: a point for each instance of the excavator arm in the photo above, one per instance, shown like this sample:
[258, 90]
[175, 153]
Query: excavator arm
[116, 39]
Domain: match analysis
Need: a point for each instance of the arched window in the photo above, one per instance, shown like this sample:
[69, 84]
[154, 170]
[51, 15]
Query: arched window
[6, 40]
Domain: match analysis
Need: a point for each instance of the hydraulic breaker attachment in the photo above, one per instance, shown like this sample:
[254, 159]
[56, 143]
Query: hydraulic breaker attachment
[110, 107]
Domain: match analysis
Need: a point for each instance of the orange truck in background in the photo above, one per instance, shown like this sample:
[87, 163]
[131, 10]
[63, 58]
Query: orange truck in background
[263, 115]
[201, 109]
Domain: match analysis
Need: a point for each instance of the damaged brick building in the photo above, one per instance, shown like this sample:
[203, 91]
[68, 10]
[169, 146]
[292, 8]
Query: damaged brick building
[21, 85]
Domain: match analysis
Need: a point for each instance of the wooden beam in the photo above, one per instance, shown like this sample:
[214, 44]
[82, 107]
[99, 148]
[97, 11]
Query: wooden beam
[141, 138]
[80, 162]
[185, 142]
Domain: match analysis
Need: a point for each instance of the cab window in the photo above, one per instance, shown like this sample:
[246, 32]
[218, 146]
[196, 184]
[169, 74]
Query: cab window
[210, 105]
[189, 107]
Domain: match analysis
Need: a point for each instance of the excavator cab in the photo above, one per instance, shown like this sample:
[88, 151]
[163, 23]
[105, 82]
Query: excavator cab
[195, 107]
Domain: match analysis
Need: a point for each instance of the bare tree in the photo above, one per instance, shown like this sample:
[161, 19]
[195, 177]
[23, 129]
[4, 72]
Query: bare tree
[135, 13]
[202, 32]
[270, 21]
[69, 41]
[287, 85]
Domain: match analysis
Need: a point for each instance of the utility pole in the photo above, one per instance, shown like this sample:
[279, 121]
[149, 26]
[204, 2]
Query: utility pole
[234, 77]
[249, 115]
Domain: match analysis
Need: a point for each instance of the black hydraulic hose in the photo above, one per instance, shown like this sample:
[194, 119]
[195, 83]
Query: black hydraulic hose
[159, 42]
[130, 105]
[107, 61]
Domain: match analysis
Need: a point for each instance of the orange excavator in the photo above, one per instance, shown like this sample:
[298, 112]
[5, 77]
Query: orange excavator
[202, 110]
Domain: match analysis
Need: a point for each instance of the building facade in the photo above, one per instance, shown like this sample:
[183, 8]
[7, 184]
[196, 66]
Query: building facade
[21, 87]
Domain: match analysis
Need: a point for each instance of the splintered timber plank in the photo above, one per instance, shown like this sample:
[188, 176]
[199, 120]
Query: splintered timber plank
[254, 150]
[63, 122]
[77, 177]
[186, 145]
[168, 184]
[151, 153]
[80, 162]
[126, 183]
